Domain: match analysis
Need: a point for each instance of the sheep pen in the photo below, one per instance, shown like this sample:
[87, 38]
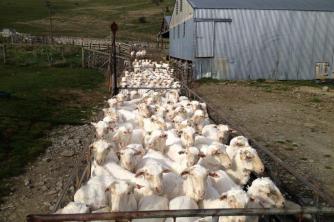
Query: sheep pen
[159, 154]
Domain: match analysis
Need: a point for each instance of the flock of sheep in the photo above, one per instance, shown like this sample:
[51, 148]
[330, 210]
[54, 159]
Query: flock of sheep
[158, 150]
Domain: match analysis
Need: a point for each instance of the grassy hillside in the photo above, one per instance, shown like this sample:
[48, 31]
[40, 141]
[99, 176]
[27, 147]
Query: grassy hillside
[138, 19]
[41, 97]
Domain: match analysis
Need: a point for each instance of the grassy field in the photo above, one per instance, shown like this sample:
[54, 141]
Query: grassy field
[137, 19]
[41, 97]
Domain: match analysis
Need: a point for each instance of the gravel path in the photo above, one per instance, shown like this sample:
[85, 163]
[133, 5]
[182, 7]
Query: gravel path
[37, 190]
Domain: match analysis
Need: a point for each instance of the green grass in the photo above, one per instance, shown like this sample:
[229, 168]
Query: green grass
[89, 18]
[42, 98]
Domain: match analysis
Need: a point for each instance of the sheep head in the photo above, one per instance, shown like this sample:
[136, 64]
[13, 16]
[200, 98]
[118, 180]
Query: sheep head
[192, 155]
[195, 182]
[122, 196]
[239, 141]
[250, 160]
[100, 150]
[265, 193]
[218, 153]
[153, 175]
[129, 157]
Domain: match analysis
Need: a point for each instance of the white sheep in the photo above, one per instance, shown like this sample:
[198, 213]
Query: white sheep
[74, 208]
[151, 203]
[122, 196]
[131, 156]
[93, 193]
[263, 193]
[221, 181]
[183, 203]
[103, 152]
[245, 161]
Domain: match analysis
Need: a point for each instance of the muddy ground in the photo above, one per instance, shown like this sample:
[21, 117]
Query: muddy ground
[294, 122]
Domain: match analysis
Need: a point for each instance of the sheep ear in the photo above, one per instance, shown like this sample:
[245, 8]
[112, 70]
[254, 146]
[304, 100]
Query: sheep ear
[107, 189]
[139, 186]
[91, 147]
[139, 173]
[181, 152]
[184, 173]
[138, 153]
[118, 154]
[201, 155]
[213, 174]
[94, 124]
[166, 171]
[223, 196]
[251, 199]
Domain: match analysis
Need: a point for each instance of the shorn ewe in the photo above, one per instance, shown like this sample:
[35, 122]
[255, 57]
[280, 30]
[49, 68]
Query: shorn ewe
[158, 150]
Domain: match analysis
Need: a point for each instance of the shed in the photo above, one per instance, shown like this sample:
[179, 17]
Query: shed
[254, 39]
[164, 32]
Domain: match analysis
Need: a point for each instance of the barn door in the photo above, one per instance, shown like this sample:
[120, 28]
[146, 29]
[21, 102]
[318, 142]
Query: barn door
[204, 39]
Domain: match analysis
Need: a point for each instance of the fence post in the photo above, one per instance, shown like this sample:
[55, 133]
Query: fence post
[114, 29]
[82, 57]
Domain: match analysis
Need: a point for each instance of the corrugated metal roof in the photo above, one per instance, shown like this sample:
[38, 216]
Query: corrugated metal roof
[300, 5]
[168, 18]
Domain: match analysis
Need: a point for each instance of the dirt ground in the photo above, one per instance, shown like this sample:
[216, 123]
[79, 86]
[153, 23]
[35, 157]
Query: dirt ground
[294, 122]
[38, 189]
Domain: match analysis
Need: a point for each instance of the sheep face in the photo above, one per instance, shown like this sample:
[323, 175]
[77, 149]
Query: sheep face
[250, 160]
[122, 136]
[192, 156]
[156, 140]
[129, 158]
[235, 198]
[239, 141]
[219, 155]
[122, 196]
[101, 128]
[100, 150]
[153, 175]
[188, 136]
[265, 193]
[144, 111]
[195, 182]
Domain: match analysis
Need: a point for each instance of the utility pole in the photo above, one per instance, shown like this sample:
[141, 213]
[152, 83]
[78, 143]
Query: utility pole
[49, 6]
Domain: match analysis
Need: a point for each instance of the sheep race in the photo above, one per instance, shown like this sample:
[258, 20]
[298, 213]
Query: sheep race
[158, 150]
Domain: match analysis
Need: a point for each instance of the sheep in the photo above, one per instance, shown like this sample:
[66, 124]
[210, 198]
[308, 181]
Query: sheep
[131, 156]
[245, 161]
[263, 193]
[183, 158]
[122, 136]
[103, 152]
[101, 128]
[92, 194]
[156, 140]
[217, 133]
[195, 182]
[215, 157]
[188, 136]
[183, 203]
[221, 181]
[235, 144]
[173, 138]
[74, 208]
[234, 198]
[150, 203]
[152, 171]
[122, 196]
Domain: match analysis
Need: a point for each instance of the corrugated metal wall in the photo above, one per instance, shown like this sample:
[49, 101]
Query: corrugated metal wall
[181, 42]
[265, 44]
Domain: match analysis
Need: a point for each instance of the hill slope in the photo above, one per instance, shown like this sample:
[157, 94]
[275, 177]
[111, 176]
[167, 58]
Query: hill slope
[138, 19]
